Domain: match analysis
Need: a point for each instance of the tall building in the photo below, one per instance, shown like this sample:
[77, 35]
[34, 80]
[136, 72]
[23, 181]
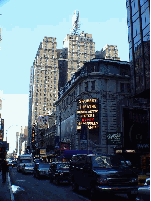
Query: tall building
[138, 19]
[80, 47]
[135, 109]
[30, 107]
[17, 143]
[108, 52]
[45, 79]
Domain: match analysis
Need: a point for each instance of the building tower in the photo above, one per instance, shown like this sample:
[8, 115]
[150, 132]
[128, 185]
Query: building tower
[79, 46]
[138, 21]
[30, 107]
[45, 79]
[108, 52]
[17, 143]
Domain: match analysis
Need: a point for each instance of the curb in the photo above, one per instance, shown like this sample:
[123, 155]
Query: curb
[10, 188]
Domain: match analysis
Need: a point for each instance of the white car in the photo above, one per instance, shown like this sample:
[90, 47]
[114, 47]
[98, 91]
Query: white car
[28, 168]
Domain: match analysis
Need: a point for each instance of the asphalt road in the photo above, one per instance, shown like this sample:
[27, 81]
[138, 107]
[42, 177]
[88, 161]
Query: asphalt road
[28, 188]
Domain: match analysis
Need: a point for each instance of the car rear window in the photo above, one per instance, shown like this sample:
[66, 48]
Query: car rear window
[62, 166]
[100, 161]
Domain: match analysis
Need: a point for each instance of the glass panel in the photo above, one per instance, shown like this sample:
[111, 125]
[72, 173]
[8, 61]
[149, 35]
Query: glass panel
[136, 28]
[134, 18]
[144, 5]
[145, 18]
[129, 34]
[130, 54]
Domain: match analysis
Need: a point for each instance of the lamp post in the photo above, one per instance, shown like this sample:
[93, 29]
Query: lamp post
[60, 132]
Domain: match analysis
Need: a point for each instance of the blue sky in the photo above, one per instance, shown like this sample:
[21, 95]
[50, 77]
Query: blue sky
[24, 24]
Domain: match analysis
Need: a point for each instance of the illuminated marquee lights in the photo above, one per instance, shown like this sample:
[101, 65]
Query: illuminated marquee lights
[87, 113]
[89, 127]
[94, 100]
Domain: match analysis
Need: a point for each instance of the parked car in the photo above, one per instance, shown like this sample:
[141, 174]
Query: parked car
[59, 172]
[14, 163]
[37, 160]
[28, 168]
[144, 191]
[9, 163]
[103, 174]
[41, 170]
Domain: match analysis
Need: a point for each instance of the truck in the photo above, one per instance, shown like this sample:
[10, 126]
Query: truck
[23, 160]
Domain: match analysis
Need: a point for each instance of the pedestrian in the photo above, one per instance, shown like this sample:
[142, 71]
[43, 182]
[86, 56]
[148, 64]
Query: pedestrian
[4, 170]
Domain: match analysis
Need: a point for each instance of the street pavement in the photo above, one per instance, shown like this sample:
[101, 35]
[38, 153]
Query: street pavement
[5, 189]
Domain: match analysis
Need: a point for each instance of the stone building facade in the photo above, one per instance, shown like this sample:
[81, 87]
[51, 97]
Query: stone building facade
[45, 79]
[108, 52]
[80, 49]
[100, 80]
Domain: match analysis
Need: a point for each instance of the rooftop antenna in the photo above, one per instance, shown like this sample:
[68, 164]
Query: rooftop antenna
[75, 23]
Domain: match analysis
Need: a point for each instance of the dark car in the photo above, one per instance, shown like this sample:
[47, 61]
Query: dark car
[144, 191]
[59, 172]
[41, 170]
[103, 174]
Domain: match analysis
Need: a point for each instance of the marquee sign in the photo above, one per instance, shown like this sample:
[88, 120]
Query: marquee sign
[88, 113]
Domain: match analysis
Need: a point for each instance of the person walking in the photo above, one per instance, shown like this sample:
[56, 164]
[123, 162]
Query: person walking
[4, 170]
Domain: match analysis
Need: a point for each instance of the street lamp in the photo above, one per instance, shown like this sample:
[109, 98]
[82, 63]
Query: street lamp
[7, 130]
[60, 132]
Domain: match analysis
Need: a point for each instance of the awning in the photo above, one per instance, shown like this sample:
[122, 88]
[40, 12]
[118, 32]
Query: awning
[70, 153]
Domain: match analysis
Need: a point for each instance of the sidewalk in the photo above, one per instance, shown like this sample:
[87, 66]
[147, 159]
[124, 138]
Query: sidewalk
[5, 191]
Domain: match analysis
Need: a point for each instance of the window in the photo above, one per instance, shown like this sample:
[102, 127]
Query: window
[128, 88]
[86, 86]
[122, 87]
[93, 85]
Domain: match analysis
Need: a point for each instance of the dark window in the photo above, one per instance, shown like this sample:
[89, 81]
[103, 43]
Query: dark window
[86, 86]
[122, 87]
[128, 88]
[93, 85]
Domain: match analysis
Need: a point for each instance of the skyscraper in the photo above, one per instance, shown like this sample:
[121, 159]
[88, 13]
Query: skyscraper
[138, 20]
[79, 46]
[108, 52]
[45, 78]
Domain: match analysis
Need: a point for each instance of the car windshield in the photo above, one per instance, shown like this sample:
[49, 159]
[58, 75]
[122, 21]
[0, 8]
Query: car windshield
[25, 161]
[100, 161]
[29, 165]
[44, 165]
[62, 166]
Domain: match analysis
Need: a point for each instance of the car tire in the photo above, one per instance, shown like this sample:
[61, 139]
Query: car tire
[93, 194]
[75, 187]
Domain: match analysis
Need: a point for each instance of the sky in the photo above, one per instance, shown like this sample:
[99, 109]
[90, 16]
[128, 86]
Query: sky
[24, 24]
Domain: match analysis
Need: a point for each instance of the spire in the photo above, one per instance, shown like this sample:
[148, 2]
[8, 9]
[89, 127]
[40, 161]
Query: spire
[75, 23]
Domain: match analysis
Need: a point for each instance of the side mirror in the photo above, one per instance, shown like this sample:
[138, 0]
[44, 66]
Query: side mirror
[147, 183]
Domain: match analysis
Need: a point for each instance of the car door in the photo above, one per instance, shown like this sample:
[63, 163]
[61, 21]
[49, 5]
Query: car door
[80, 174]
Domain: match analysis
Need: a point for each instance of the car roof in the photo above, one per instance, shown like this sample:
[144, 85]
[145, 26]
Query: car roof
[60, 162]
